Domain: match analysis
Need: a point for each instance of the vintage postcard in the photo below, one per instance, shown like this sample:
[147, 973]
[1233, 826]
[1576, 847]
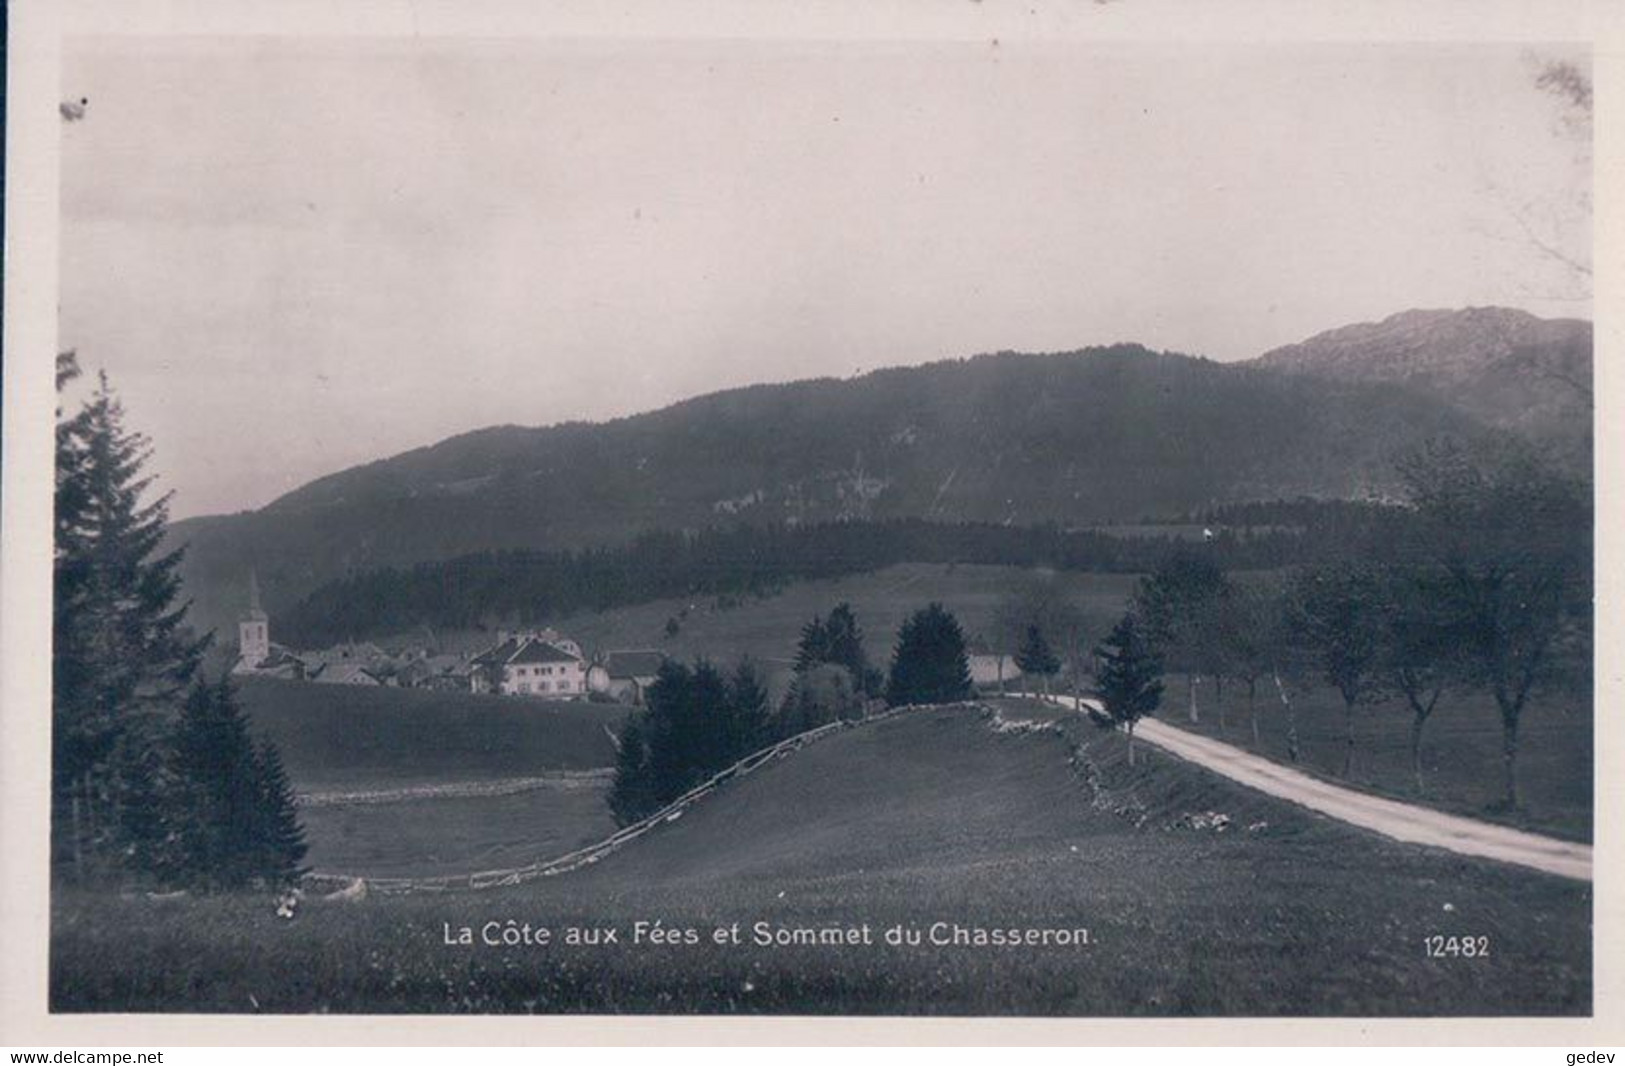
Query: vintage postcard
[992, 511]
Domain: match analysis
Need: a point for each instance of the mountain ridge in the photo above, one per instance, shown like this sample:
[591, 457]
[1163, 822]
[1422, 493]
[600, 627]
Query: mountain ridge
[1507, 367]
[1076, 438]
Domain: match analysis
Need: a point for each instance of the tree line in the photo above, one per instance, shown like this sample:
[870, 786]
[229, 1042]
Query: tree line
[1488, 591]
[759, 560]
[696, 721]
[156, 777]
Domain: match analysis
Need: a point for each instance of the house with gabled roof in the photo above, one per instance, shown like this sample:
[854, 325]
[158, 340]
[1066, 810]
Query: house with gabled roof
[345, 674]
[625, 675]
[529, 666]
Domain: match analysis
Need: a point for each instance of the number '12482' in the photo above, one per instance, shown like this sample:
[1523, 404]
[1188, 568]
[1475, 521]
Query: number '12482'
[1457, 947]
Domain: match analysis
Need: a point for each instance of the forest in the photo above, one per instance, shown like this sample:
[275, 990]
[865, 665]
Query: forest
[756, 560]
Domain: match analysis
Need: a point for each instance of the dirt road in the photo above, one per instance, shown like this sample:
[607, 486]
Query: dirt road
[1391, 818]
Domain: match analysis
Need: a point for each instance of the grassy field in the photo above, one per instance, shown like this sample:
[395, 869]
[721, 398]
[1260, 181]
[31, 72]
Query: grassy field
[1461, 749]
[339, 736]
[767, 629]
[932, 817]
[456, 834]
[470, 782]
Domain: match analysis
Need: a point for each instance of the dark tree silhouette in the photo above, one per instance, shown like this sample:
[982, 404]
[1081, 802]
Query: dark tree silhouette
[122, 655]
[1035, 658]
[633, 794]
[1420, 647]
[1181, 605]
[837, 640]
[1513, 540]
[929, 664]
[814, 646]
[695, 723]
[749, 718]
[281, 842]
[1252, 639]
[1337, 615]
[232, 812]
[1129, 676]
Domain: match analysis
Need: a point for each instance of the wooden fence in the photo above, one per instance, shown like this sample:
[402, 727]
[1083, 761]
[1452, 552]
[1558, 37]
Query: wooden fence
[586, 856]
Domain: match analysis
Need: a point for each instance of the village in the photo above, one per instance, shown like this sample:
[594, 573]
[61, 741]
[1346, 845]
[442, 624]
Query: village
[538, 662]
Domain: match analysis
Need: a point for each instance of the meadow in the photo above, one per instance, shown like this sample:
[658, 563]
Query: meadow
[349, 737]
[767, 628]
[399, 782]
[936, 816]
[1461, 748]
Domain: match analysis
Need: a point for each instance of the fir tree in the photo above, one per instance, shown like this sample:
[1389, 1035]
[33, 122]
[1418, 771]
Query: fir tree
[217, 803]
[280, 842]
[814, 646]
[122, 655]
[837, 640]
[748, 710]
[1035, 657]
[633, 795]
[1128, 676]
[846, 646]
[929, 664]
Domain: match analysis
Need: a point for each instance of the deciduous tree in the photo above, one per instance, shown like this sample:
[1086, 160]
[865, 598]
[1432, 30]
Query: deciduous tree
[1337, 616]
[1512, 539]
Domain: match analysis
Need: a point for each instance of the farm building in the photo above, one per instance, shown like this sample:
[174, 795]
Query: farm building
[444, 672]
[364, 653]
[625, 675]
[344, 674]
[528, 666]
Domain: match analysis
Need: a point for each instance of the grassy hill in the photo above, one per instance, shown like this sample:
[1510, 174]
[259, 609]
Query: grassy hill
[1075, 438]
[933, 817]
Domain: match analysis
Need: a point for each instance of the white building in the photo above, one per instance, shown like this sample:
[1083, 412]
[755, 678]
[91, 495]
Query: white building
[253, 629]
[528, 666]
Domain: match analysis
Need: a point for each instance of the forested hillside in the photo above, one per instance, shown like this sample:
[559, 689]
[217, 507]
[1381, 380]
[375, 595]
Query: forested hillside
[1075, 438]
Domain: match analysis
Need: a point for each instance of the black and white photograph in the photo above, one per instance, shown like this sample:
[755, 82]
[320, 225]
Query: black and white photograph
[996, 523]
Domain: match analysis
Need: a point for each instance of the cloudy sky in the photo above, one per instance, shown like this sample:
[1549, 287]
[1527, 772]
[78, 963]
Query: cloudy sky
[293, 256]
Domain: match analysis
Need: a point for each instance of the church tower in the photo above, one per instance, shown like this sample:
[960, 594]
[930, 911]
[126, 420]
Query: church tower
[253, 629]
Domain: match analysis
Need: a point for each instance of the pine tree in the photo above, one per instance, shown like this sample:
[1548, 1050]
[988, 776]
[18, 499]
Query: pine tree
[280, 842]
[748, 711]
[837, 640]
[633, 795]
[845, 638]
[122, 654]
[1035, 657]
[929, 664]
[814, 646]
[1128, 678]
[216, 806]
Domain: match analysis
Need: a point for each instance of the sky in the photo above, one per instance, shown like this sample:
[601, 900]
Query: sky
[295, 255]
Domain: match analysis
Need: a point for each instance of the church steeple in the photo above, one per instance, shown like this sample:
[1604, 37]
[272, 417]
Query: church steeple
[254, 610]
[253, 629]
